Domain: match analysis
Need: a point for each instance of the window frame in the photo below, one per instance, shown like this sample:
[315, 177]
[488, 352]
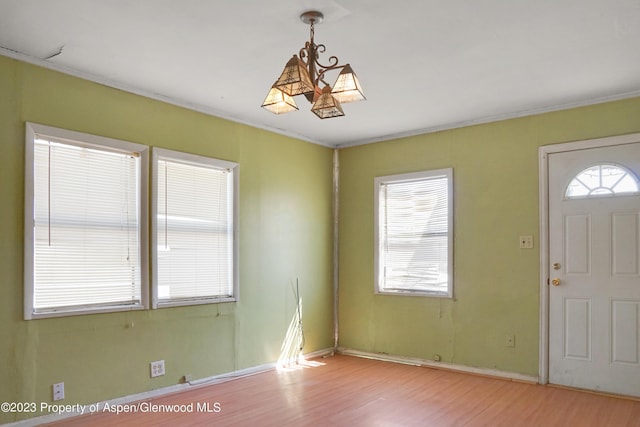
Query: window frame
[378, 238]
[197, 160]
[32, 131]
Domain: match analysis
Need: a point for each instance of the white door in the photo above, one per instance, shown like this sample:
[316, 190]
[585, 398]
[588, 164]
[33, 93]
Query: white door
[594, 252]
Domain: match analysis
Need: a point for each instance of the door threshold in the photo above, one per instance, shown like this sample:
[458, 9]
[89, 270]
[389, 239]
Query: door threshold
[595, 392]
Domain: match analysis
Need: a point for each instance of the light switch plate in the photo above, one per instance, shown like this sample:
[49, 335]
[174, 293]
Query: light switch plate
[526, 242]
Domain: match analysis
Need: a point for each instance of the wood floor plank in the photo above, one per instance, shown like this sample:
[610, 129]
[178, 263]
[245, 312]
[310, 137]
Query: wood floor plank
[351, 391]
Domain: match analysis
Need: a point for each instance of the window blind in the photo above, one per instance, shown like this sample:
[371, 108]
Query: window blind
[86, 226]
[194, 231]
[414, 239]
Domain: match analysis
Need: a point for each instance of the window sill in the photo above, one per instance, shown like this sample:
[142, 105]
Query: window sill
[81, 311]
[187, 302]
[415, 293]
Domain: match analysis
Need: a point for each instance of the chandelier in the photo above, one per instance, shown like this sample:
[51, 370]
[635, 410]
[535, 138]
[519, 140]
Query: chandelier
[303, 75]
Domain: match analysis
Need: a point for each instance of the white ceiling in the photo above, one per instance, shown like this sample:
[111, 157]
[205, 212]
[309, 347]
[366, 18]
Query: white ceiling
[424, 65]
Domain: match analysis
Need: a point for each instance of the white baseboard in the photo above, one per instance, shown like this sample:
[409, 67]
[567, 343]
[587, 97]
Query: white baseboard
[152, 394]
[514, 376]
[254, 370]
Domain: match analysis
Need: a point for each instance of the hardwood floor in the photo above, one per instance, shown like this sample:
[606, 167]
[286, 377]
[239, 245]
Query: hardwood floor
[350, 391]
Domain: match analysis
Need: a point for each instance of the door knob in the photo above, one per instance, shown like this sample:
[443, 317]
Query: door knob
[555, 282]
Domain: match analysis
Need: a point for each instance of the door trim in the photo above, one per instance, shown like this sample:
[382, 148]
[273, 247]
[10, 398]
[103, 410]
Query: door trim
[543, 194]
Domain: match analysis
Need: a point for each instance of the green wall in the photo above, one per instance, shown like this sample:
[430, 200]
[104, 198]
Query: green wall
[496, 290]
[285, 233]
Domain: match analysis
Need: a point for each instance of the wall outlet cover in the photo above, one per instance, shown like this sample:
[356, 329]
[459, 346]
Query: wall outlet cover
[510, 341]
[58, 391]
[157, 368]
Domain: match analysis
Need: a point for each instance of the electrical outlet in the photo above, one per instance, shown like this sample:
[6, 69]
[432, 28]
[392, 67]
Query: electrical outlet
[510, 341]
[58, 391]
[157, 368]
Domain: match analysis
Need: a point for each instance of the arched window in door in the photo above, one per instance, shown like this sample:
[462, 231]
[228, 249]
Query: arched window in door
[605, 179]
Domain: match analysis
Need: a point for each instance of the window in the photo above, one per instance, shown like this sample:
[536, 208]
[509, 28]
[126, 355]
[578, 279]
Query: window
[602, 180]
[194, 219]
[414, 234]
[85, 223]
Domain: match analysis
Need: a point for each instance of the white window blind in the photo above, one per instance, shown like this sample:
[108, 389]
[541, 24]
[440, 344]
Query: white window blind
[414, 233]
[194, 229]
[84, 252]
